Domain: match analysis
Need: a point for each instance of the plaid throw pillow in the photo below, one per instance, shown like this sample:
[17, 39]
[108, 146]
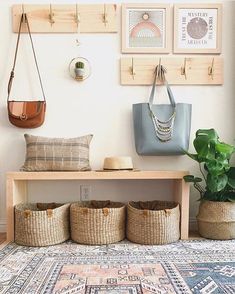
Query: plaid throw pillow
[57, 154]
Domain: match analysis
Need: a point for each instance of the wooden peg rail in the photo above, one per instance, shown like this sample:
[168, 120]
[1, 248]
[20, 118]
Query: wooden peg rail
[71, 18]
[180, 70]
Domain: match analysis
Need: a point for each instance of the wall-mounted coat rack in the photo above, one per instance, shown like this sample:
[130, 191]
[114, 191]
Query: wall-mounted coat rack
[71, 18]
[180, 70]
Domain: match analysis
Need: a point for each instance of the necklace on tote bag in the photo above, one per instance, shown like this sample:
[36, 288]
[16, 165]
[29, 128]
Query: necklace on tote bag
[161, 129]
[25, 114]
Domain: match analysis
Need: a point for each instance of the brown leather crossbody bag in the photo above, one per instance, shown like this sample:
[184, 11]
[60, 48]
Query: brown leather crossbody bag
[25, 114]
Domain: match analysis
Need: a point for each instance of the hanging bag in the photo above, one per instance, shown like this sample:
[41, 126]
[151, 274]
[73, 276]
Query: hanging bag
[161, 129]
[25, 114]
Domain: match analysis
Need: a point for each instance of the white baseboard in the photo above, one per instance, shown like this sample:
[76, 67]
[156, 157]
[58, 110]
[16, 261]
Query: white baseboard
[192, 224]
[2, 225]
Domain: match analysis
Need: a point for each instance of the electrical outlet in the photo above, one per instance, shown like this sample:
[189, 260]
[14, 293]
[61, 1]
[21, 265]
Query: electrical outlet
[85, 192]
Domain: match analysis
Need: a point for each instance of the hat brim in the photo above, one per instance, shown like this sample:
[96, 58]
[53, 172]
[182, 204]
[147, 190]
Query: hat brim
[122, 170]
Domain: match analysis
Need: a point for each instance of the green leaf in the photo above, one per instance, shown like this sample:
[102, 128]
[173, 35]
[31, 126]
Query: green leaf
[216, 183]
[192, 179]
[231, 182]
[222, 159]
[227, 149]
[231, 172]
[215, 167]
[210, 133]
[202, 146]
[210, 196]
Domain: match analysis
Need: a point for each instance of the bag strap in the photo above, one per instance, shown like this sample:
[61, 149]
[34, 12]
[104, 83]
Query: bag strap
[22, 19]
[160, 74]
[163, 129]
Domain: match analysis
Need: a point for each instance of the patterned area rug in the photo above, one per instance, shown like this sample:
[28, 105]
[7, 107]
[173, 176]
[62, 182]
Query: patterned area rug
[122, 268]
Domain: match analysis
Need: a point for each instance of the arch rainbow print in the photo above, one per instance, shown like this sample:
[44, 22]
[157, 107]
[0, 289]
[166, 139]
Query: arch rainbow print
[145, 28]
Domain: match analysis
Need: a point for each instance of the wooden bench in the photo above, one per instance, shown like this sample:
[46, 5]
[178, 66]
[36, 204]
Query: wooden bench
[16, 191]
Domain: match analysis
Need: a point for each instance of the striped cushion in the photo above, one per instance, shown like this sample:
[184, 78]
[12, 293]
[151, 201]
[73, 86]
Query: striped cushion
[58, 154]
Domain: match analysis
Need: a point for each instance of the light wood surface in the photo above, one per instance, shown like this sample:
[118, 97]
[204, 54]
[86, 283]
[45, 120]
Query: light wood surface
[3, 241]
[97, 175]
[17, 188]
[93, 18]
[196, 70]
[218, 48]
[2, 237]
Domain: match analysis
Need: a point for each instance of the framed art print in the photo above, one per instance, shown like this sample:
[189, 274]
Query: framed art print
[197, 28]
[145, 28]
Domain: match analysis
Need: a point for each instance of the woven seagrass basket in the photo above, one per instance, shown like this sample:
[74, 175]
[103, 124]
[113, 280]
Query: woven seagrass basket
[97, 222]
[216, 220]
[38, 226]
[153, 222]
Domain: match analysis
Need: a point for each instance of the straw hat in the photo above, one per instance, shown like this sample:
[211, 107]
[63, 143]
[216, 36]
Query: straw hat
[118, 163]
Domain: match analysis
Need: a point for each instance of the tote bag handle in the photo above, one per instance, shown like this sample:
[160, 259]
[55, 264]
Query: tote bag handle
[159, 73]
[163, 129]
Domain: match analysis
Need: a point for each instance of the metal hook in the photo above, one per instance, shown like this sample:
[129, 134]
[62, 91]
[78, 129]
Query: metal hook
[183, 69]
[133, 73]
[158, 68]
[105, 15]
[77, 16]
[23, 12]
[161, 70]
[211, 69]
[51, 16]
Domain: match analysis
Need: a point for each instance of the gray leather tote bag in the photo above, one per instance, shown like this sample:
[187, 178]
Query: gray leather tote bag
[161, 129]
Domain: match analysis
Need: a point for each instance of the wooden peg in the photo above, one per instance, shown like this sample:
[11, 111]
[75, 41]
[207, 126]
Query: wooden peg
[77, 17]
[51, 16]
[105, 15]
[132, 69]
[211, 69]
[183, 69]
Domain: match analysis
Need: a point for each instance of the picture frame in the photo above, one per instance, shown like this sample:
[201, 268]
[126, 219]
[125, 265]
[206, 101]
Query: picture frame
[146, 28]
[198, 28]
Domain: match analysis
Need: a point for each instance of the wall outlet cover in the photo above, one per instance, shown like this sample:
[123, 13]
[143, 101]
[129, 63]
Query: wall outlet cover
[85, 192]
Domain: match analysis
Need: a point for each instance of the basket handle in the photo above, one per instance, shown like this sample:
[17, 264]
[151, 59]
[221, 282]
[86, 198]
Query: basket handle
[49, 213]
[105, 211]
[27, 213]
[167, 212]
[145, 212]
[84, 210]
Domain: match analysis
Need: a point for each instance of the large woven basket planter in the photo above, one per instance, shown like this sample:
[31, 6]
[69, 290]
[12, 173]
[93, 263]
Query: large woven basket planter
[36, 226]
[97, 222]
[153, 222]
[216, 220]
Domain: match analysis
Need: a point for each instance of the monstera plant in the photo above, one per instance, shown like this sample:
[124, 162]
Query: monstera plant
[213, 157]
[216, 218]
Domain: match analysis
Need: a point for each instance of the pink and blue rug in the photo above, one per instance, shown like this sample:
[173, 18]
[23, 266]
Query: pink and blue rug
[124, 268]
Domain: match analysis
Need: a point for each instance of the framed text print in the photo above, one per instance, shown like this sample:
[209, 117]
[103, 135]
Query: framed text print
[197, 28]
[145, 28]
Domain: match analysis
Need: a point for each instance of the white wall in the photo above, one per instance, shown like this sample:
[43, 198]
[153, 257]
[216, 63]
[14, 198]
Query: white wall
[101, 106]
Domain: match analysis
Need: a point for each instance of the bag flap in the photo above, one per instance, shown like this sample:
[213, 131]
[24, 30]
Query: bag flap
[25, 109]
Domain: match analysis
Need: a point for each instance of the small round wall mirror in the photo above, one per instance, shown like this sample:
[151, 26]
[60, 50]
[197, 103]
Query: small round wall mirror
[79, 68]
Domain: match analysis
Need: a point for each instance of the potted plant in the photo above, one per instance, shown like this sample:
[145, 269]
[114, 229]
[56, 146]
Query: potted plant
[79, 70]
[216, 217]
